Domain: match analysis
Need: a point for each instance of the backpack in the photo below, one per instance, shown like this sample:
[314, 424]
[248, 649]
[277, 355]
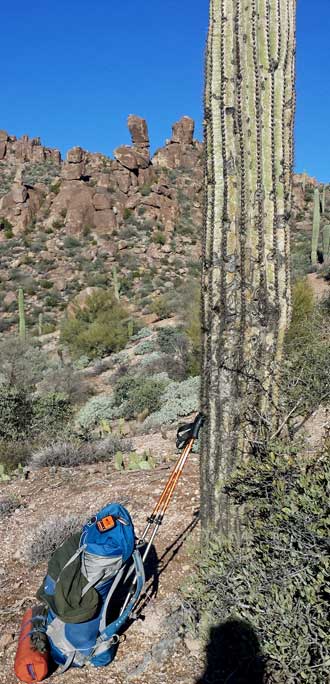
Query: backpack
[83, 575]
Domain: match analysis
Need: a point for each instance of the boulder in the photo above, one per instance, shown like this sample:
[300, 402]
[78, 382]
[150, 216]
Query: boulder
[9, 298]
[75, 155]
[72, 172]
[139, 130]
[76, 197]
[19, 193]
[3, 148]
[131, 158]
[183, 131]
[102, 200]
[104, 221]
[3, 136]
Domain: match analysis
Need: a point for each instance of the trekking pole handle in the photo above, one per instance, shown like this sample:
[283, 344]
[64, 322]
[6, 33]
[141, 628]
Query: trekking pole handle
[198, 423]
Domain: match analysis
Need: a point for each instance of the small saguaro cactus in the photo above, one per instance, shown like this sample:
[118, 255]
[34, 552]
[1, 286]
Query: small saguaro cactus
[130, 328]
[326, 242]
[115, 283]
[21, 315]
[316, 226]
[323, 200]
[40, 324]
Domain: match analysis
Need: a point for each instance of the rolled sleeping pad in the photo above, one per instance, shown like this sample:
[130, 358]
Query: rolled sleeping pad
[30, 665]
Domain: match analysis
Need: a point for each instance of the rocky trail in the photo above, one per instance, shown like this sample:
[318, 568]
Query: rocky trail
[154, 649]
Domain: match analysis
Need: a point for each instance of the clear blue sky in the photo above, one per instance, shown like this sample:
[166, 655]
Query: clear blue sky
[73, 70]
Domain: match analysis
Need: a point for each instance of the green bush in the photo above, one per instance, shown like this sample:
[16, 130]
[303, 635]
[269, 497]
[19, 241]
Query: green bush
[16, 413]
[159, 237]
[276, 576]
[162, 306]
[71, 242]
[145, 189]
[97, 329]
[7, 227]
[305, 368]
[135, 395]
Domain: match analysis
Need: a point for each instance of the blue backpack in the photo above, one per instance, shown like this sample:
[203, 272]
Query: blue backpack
[105, 555]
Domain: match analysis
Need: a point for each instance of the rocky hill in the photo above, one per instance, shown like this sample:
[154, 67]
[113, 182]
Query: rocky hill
[90, 220]
[133, 222]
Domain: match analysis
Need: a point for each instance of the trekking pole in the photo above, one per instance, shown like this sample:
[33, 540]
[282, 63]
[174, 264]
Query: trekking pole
[186, 437]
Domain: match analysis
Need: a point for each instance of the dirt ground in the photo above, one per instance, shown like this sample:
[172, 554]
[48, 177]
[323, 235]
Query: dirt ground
[152, 651]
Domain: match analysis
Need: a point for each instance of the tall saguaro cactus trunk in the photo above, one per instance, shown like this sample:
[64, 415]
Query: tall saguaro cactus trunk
[249, 115]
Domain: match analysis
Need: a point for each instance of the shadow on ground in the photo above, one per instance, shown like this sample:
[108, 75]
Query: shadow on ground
[233, 655]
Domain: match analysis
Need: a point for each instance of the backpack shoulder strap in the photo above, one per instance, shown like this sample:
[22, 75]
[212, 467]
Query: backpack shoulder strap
[108, 631]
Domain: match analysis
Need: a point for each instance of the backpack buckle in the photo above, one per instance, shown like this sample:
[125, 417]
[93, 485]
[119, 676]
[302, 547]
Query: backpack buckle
[106, 523]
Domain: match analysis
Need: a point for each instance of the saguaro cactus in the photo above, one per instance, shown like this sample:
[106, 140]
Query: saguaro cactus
[21, 315]
[326, 242]
[249, 114]
[316, 226]
[115, 283]
[323, 200]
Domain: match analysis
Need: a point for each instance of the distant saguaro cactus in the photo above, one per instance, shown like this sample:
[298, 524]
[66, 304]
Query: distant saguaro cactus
[316, 226]
[21, 315]
[249, 114]
[323, 200]
[115, 283]
[326, 242]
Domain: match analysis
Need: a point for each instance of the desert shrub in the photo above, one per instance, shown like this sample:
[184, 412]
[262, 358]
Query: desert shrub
[305, 376]
[134, 395]
[141, 334]
[162, 306]
[65, 380]
[145, 189]
[127, 213]
[96, 409]
[276, 576]
[74, 453]
[302, 307]
[177, 401]
[71, 242]
[144, 347]
[97, 329]
[51, 412]
[177, 353]
[21, 363]
[7, 228]
[44, 539]
[7, 506]
[14, 453]
[16, 413]
[159, 237]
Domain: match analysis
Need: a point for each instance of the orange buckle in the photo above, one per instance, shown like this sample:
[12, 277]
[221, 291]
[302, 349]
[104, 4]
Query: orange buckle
[106, 523]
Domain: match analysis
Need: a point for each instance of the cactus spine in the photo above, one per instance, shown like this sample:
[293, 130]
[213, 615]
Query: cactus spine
[115, 283]
[326, 242]
[316, 227]
[21, 315]
[249, 114]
